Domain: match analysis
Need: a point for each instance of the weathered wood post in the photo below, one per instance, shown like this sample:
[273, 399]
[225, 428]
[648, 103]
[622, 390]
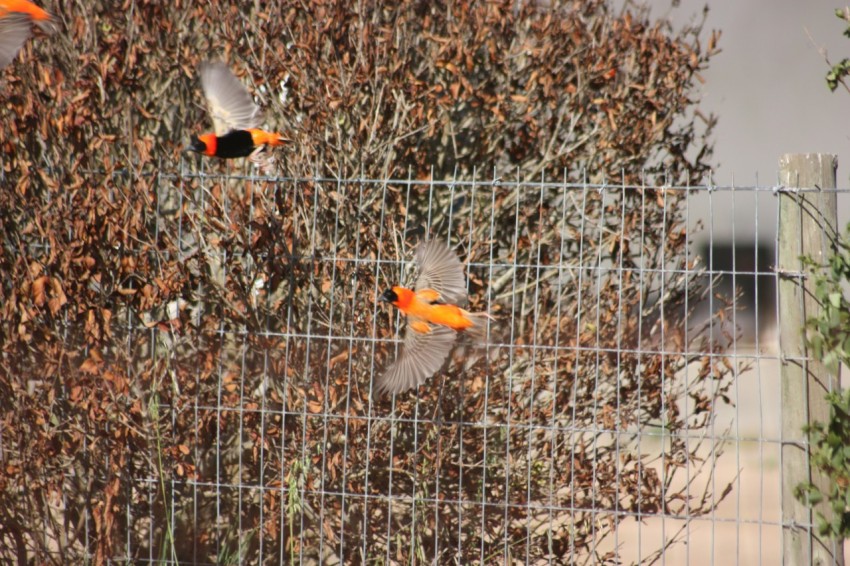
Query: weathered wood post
[807, 223]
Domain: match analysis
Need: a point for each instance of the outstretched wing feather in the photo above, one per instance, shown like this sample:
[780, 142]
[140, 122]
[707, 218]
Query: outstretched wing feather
[422, 355]
[229, 102]
[15, 29]
[441, 270]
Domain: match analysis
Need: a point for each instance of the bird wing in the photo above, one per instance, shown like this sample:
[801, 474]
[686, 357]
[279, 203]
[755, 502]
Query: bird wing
[15, 29]
[440, 270]
[229, 102]
[421, 356]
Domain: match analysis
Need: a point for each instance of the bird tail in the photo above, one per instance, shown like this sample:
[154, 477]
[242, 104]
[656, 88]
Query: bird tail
[480, 339]
[478, 333]
[277, 139]
[42, 18]
[49, 25]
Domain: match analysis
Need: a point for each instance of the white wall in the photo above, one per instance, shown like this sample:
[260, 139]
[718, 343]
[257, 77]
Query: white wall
[768, 89]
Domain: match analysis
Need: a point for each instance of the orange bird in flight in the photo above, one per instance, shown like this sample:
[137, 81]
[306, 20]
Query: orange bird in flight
[16, 20]
[236, 118]
[433, 317]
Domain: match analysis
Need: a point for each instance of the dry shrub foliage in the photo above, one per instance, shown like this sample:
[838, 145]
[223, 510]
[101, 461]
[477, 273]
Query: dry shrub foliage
[159, 402]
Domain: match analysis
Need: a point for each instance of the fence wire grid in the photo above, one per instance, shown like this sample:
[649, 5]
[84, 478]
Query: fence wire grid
[625, 408]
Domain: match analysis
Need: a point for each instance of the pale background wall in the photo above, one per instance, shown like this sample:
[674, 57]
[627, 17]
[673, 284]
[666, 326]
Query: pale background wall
[767, 87]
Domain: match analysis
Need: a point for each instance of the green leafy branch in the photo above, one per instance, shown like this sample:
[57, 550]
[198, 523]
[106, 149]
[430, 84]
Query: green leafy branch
[841, 70]
[830, 444]
[828, 338]
[828, 333]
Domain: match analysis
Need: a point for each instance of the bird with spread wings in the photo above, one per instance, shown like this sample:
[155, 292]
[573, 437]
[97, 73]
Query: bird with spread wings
[434, 317]
[236, 118]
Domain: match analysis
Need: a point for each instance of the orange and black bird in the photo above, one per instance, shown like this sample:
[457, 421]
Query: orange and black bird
[236, 119]
[16, 20]
[434, 317]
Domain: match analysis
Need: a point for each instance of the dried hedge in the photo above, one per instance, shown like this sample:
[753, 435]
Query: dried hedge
[187, 351]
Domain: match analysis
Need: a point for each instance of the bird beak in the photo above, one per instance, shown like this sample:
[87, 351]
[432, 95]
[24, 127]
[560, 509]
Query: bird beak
[196, 145]
[389, 296]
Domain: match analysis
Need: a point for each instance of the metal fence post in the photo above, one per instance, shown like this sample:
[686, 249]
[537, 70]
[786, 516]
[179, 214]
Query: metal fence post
[807, 223]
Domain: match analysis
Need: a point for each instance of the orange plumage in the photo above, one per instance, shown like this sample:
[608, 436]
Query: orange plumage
[23, 7]
[16, 20]
[434, 318]
[235, 118]
[419, 305]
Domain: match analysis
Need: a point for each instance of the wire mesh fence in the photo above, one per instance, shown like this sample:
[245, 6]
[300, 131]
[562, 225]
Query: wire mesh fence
[625, 408]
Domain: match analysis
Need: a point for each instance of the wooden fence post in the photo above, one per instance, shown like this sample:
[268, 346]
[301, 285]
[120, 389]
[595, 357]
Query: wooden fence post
[807, 223]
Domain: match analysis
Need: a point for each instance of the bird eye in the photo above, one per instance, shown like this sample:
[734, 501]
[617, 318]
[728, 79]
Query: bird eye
[195, 144]
[389, 296]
